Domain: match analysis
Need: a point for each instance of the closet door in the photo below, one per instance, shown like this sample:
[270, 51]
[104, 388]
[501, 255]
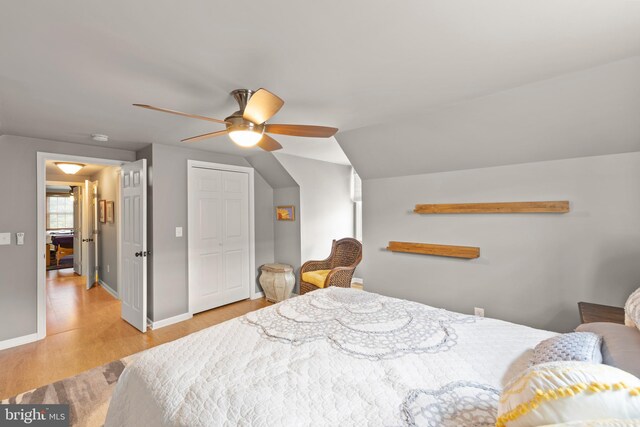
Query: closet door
[218, 238]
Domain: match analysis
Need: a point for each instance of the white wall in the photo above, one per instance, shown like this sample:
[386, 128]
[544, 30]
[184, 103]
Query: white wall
[533, 268]
[326, 208]
[587, 113]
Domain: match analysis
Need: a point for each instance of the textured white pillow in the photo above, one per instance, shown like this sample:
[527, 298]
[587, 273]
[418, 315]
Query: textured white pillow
[632, 310]
[574, 346]
[560, 392]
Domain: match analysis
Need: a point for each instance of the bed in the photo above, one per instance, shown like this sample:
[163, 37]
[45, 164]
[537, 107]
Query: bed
[331, 357]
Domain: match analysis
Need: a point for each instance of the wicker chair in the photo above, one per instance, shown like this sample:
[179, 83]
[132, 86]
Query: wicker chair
[345, 256]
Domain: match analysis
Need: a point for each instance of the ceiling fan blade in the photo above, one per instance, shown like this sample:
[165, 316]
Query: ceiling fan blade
[262, 106]
[301, 130]
[269, 144]
[205, 136]
[179, 113]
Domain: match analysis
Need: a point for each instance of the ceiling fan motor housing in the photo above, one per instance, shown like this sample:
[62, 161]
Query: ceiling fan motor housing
[242, 96]
[238, 123]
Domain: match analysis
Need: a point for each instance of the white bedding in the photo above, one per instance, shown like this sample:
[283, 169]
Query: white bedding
[331, 357]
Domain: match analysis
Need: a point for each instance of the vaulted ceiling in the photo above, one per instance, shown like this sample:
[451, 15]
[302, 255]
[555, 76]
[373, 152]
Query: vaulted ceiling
[377, 70]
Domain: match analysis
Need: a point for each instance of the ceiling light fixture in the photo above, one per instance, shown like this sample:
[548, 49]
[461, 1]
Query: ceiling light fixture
[243, 132]
[99, 137]
[245, 138]
[69, 168]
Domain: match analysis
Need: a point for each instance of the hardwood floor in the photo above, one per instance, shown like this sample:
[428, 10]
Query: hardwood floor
[84, 330]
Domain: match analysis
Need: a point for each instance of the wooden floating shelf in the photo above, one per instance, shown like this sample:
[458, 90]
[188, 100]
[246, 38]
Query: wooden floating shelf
[467, 252]
[506, 207]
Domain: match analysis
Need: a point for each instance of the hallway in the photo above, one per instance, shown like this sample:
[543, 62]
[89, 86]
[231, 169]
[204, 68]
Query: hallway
[84, 330]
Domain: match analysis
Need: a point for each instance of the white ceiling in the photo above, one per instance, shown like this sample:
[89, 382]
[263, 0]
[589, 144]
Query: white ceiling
[74, 68]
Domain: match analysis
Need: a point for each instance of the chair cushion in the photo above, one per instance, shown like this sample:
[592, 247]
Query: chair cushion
[316, 278]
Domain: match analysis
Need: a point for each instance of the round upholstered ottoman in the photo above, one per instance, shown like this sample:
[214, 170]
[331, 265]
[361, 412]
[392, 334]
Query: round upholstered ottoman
[277, 281]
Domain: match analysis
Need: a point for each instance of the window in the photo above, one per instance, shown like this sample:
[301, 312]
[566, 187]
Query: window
[59, 212]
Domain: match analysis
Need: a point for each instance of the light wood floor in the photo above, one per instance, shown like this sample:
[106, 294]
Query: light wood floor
[84, 330]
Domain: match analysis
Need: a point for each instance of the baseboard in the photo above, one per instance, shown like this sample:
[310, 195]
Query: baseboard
[108, 289]
[257, 295]
[14, 342]
[170, 321]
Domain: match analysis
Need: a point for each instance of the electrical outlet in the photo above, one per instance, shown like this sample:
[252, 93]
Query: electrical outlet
[478, 311]
[19, 238]
[107, 268]
[178, 231]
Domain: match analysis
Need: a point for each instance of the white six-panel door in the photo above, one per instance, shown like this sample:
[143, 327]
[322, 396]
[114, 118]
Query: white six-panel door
[133, 235]
[219, 228]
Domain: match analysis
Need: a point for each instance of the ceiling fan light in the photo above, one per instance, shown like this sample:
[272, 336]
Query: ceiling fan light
[70, 168]
[245, 138]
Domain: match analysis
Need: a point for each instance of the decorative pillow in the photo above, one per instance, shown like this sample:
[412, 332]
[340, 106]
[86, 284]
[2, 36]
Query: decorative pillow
[632, 310]
[560, 392]
[576, 346]
[620, 345]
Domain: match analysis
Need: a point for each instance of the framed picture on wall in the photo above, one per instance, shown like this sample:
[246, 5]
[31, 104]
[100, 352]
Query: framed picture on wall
[286, 213]
[110, 213]
[102, 211]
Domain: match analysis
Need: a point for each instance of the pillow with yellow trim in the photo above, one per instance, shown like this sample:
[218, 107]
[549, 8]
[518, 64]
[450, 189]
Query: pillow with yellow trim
[560, 392]
[316, 277]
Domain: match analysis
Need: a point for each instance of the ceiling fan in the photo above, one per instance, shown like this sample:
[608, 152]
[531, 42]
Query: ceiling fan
[248, 126]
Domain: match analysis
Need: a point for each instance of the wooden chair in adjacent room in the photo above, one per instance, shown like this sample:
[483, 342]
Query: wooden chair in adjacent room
[336, 270]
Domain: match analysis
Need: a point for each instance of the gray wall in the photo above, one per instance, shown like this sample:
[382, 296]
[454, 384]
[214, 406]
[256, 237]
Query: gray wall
[287, 233]
[108, 238]
[18, 281]
[533, 268]
[265, 230]
[326, 208]
[169, 278]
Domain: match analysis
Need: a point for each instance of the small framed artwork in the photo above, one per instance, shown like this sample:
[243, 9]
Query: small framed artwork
[286, 213]
[102, 211]
[110, 213]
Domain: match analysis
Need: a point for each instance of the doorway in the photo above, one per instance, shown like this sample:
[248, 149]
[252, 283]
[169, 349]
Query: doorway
[89, 234]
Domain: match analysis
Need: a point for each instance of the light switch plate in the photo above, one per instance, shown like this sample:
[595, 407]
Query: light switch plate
[19, 238]
[5, 238]
[178, 231]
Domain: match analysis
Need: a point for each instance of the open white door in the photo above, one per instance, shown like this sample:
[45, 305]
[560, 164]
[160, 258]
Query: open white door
[133, 237]
[77, 230]
[89, 232]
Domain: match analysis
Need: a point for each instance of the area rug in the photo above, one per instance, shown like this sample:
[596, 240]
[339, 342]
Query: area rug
[88, 393]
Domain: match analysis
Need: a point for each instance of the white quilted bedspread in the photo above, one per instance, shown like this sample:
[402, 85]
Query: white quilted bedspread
[335, 356]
